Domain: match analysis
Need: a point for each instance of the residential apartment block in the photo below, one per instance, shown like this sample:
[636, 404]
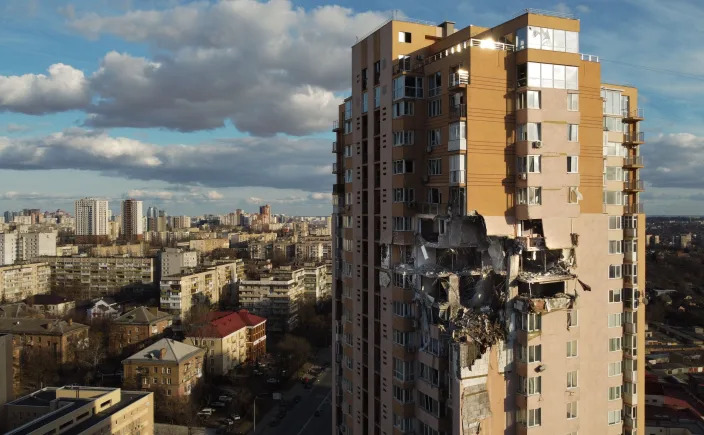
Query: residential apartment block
[204, 285]
[229, 338]
[91, 217]
[488, 235]
[315, 282]
[137, 328]
[169, 365]
[21, 281]
[26, 246]
[276, 297]
[81, 410]
[132, 219]
[87, 278]
[8, 248]
[173, 260]
[58, 337]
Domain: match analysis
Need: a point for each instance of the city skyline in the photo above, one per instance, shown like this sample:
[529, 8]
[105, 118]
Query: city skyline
[71, 124]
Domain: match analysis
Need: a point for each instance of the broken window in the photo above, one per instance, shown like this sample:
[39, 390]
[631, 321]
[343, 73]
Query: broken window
[403, 309]
[403, 395]
[530, 417]
[403, 370]
[403, 280]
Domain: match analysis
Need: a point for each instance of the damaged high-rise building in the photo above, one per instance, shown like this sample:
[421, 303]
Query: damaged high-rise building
[487, 235]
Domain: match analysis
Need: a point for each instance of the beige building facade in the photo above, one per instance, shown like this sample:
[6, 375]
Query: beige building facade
[276, 297]
[21, 281]
[488, 235]
[206, 285]
[84, 410]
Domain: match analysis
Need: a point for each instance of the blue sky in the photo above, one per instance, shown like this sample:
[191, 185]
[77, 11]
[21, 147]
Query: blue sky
[210, 106]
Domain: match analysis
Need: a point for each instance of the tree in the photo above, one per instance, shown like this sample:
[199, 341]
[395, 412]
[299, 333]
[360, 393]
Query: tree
[38, 367]
[296, 348]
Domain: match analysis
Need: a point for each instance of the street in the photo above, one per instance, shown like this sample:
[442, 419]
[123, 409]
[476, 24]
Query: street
[301, 419]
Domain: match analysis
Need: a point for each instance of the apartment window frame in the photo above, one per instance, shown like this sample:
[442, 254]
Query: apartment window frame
[571, 408]
[572, 349]
[615, 393]
[573, 102]
[530, 164]
[614, 417]
[365, 102]
[615, 222]
[434, 166]
[434, 107]
[530, 386]
[616, 296]
[400, 167]
[530, 322]
[434, 138]
[615, 320]
[615, 246]
[405, 37]
[529, 131]
[572, 164]
[377, 97]
[531, 195]
[403, 108]
[615, 344]
[615, 271]
[529, 99]
[573, 379]
[573, 132]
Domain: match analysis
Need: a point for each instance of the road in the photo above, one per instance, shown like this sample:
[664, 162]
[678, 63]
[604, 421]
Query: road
[301, 418]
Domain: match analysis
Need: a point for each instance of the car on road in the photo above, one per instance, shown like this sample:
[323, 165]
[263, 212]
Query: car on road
[227, 421]
[236, 417]
[272, 381]
[218, 404]
[206, 412]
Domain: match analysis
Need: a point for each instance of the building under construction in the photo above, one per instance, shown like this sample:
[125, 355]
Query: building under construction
[486, 228]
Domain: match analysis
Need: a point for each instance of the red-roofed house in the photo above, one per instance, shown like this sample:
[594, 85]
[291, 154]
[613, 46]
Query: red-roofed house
[230, 338]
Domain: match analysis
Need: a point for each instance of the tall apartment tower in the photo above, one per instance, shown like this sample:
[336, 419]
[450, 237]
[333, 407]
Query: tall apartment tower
[132, 219]
[487, 235]
[91, 217]
[8, 248]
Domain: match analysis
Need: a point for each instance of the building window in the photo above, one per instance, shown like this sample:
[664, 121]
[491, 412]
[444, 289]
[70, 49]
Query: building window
[403, 223]
[615, 296]
[404, 37]
[529, 196]
[528, 164]
[615, 392]
[405, 137]
[530, 386]
[377, 97]
[530, 418]
[365, 102]
[545, 75]
[434, 84]
[404, 195]
[572, 164]
[528, 100]
[434, 138]
[403, 395]
[614, 271]
[530, 354]
[573, 195]
[530, 322]
[572, 379]
[572, 132]
[573, 318]
[403, 108]
[573, 102]
[402, 166]
[434, 107]
[615, 320]
[530, 131]
[615, 416]
[615, 222]
[364, 79]
[572, 349]
[615, 247]
[434, 196]
[614, 344]
[571, 410]
[407, 87]
[435, 167]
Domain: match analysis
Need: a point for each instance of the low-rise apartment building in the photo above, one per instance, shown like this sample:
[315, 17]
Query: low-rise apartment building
[20, 281]
[205, 246]
[173, 260]
[167, 365]
[276, 297]
[58, 337]
[229, 339]
[315, 281]
[51, 305]
[137, 328]
[204, 285]
[87, 278]
[31, 245]
[81, 410]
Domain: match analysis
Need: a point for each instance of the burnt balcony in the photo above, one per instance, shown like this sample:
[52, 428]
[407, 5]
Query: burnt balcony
[458, 111]
[634, 186]
[633, 162]
[634, 138]
[533, 243]
[633, 115]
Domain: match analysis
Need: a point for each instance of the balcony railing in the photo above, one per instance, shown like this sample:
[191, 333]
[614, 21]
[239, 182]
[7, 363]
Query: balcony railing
[459, 78]
[589, 57]
[457, 177]
[633, 161]
[634, 137]
[634, 208]
[334, 168]
[458, 111]
[632, 114]
[334, 147]
[335, 125]
[634, 185]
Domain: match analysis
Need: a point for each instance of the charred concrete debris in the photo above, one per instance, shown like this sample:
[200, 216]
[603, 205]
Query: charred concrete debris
[470, 285]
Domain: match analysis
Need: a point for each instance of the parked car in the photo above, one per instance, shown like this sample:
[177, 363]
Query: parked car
[206, 412]
[227, 421]
[236, 417]
[272, 381]
[218, 404]
[225, 399]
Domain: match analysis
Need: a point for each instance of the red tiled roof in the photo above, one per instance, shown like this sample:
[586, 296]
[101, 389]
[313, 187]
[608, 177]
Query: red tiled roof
[223, 323]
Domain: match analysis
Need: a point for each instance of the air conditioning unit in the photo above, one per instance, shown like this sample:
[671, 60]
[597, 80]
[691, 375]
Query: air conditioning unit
[523, 176]
[537, 144]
